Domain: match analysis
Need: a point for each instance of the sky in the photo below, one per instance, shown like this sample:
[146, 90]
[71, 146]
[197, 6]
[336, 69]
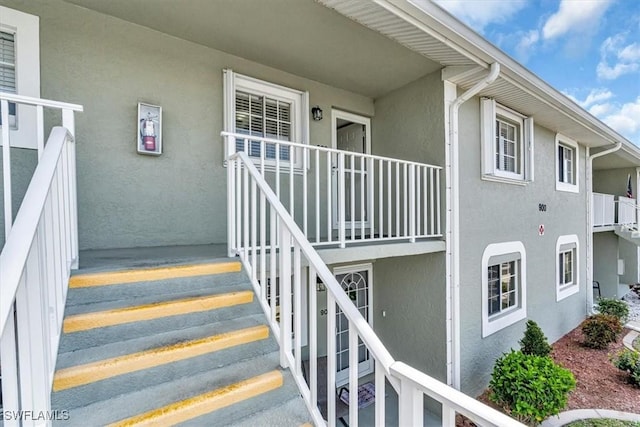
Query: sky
[587, 49]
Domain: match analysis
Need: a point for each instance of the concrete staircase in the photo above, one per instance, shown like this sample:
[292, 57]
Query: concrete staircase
[183, 344]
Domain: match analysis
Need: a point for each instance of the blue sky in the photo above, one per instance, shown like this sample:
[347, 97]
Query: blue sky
[587, 49]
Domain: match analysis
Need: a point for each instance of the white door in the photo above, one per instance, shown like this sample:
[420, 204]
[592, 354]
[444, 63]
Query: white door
[357, 283]
[352, 133]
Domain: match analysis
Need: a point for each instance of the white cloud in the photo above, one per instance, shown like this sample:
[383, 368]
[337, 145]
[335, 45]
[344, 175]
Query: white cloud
[526, 44]
[574, 16]
[626, 120]
[479, 14]
[594, 97]
[617, 59]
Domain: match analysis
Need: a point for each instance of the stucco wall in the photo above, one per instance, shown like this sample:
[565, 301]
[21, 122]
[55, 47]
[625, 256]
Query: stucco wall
[411, 292]
[409, 122]
[23, 163]
[492, 212]
[629, 253]
[108, 65]
[613, 181]
[605, 258]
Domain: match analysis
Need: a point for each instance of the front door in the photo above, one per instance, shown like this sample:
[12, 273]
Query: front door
[357, 283]
[352, 133]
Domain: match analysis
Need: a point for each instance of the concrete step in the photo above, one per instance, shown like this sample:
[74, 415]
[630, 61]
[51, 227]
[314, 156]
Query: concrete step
[146, 289]
[134, 401]
[290, 413]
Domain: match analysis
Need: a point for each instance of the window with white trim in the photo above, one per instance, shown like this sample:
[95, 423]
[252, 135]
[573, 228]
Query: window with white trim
[567, 266]
[261, 109]
[20, 71]
[507, 143]
[503, 286]
[566, 164]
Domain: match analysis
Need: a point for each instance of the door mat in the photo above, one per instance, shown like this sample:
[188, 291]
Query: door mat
[366, 395]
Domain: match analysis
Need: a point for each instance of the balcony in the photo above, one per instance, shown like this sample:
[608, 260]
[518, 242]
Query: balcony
[338, 198]
[609, 211]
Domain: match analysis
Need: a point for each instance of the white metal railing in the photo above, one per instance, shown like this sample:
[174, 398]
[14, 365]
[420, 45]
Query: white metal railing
[264, 214]
[41, 248]
[603, 209]
[626, 211]
[339, 197]
[610, 210]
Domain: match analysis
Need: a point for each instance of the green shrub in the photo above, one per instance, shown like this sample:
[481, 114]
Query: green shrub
[600, 330]
[530, 388]
[534, 342]
[614, 307]
[629, 361]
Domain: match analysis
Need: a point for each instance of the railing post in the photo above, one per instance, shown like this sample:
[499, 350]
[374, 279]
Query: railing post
[448, 416]
[231, 199]
[6, 168]
[68, 122]
[342, 199]
[285, 295]
[412, 203]
[410, 406]
[9, 358]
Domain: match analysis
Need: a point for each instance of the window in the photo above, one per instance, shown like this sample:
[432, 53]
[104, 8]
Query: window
[566, 164]
[264, 110]
[507, 144]
[567, 266]
[20, 71]
[503, 286]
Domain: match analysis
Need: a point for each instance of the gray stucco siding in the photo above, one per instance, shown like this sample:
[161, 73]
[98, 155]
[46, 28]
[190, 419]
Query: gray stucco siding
[108, 66]
[492, 212]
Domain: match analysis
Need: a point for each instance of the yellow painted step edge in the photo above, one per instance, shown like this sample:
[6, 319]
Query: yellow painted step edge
[205, 403]
[148, 274]
[118, 316]
[91, 372]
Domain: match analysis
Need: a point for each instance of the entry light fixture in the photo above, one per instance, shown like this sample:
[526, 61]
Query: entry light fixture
[316, 113]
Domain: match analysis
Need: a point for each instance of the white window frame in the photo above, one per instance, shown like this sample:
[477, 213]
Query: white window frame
[26, 28]
[490, 114]
[496, 322]
[299, 112]
[569, 144]
[565, 244]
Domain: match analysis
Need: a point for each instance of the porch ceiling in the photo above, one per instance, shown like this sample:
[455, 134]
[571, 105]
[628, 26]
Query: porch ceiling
[301, 37]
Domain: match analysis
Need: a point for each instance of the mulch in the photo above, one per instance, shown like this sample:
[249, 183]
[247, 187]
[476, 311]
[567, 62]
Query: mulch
[599, 384]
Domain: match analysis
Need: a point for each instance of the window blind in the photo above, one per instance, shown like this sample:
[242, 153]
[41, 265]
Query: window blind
[7, 62]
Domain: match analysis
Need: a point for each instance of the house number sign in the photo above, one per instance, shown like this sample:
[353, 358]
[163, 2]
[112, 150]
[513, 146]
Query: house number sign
[542, 207]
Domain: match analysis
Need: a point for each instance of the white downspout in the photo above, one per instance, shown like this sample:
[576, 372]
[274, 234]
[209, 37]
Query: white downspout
[453, 228]
[589, 180]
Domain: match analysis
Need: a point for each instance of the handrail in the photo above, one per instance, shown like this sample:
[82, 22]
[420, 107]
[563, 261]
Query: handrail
[40, 250]
[29, 100]
[17, 246]
[288, 245]
[321, 148]
[369, 337]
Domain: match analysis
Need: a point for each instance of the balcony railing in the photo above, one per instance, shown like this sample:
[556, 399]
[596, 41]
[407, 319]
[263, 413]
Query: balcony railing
[263, 214]
[609, 210]
[341, 198]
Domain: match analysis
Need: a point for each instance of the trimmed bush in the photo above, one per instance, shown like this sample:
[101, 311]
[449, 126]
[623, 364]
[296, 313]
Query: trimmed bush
[614, 307]
[534, 342]
[530, 388]
[629, 361]
[600, 330]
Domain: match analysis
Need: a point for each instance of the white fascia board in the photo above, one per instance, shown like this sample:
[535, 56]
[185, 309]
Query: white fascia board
[440, 24]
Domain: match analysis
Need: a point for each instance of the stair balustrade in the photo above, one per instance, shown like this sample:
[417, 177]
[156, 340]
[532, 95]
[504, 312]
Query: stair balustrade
[276, 275]
[41, 248]
[340, 197]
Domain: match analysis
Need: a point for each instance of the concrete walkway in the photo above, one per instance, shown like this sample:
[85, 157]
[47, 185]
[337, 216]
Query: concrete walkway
[583, 414]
